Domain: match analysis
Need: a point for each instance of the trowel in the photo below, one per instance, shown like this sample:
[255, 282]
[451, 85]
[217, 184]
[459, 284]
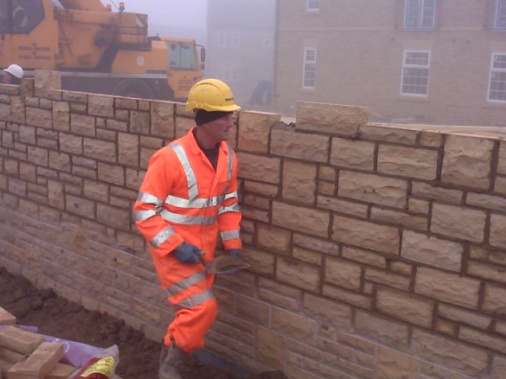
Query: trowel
[224, 264]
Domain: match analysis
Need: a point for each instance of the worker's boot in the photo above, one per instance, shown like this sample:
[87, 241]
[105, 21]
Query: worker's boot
[172, 358]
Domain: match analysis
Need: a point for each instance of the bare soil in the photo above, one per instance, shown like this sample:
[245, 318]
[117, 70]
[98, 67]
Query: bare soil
[58, 317]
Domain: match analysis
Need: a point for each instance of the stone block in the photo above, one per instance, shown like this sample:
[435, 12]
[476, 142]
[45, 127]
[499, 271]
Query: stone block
[257, 167]
[298, 274]
[101, 105]
[495, 299]
[458, 222]
[274, 238]
[432, 251]
[352, 154]
[328, 313]
[6, 318]
[299, 182]
[253, 310]
[261, 262]
[292, 325]
[366, 235]
[316, 244]
[387, 278]
[139, 122]
[498, 367]
[254, 133]
[330, 118]
[372, 188]
[342, 206]
[482, 200]
[349, 297]
[407, 162]
[464, 316]
[449, 352]
[490, 272]
[162, 119]
[405, 306]
[380, 329]
[467, 161]
[451, 288]
[388, 133]
[82, 125]
[302, 219]
[498, 230]
[393, 364]
[427, 191]
[271, 348]
[399, 218]
[286, 142]
[479, 337]
[61, 371]
[487, 254]
[343, 273]
[364, 256]
[40, 363]
[18, 340]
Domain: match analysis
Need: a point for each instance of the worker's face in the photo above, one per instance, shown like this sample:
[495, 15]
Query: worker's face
[7, 78]
[220, 129]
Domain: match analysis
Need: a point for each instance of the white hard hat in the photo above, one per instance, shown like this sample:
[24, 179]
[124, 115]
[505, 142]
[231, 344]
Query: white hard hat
[15, 70]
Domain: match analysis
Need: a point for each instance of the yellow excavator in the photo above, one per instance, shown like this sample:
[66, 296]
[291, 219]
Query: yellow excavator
[98, 50]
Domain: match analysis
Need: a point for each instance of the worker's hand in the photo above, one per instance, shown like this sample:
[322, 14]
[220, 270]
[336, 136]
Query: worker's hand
[188, 253]
[236, 253]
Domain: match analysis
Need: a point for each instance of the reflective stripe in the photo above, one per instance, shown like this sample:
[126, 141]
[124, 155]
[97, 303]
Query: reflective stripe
[195, 203]
[186, 283]
[149, 199]
[232, 208]
[230, 235]
[193, 190]
[230, 160]
[162, 236]
[231, 195]
[187, 220]
[144, 215]
[196, 299]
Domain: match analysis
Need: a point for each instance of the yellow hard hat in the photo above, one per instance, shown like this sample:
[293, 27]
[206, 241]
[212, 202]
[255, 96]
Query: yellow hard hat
[211, 95]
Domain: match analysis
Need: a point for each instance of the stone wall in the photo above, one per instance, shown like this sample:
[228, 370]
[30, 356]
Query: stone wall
[378, 251]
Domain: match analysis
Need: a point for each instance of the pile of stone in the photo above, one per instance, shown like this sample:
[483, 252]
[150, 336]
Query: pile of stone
[26, 355]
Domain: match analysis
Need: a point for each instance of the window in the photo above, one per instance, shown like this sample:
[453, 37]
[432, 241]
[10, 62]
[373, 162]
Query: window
[500, 21]
[182, 56]
[26, 15]
[309, 73]
[313, 5]
[497, 82]
[415, 73]
[228, 39]
[420, 14]
[229, 72]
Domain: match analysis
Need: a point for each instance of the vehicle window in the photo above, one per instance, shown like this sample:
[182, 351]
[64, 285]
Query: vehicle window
[4, 16]
[26, 15]
[182, 56]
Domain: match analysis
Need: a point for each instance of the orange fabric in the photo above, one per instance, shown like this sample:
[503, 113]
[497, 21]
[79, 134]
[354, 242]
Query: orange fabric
[166, 176]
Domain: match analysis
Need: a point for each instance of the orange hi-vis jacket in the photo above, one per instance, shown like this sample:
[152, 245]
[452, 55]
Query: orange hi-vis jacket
[182, 198]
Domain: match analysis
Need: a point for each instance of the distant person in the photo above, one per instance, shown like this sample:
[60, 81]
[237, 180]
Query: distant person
[187, 200]
[13, 74]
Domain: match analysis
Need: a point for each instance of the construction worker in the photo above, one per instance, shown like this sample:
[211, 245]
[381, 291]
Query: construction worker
[187, 198]
[13, 74]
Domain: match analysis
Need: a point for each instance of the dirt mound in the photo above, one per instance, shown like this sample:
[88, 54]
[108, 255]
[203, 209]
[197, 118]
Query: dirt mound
[61, 318]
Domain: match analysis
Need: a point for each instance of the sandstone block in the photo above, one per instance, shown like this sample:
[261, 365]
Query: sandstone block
[330, 118]
[274, 238]
[292, 325]
[491, 272]
[388, 133]
[408, 162]
[301, 219]
[343, 273]
[128, 149]
[352, 154]
[380, 329]
[490, 255]
[458, 222]
[501, 164]
[482, 200]
[372, 188]
[364, 256]
[253, 310]
[268, 190]
[498, 230]
[271, 348]
[40, 363]
[60, 371]
[82, 125]
[316, 244]
[11, 356]
[6, 318]
[430, 192]
[451, 288]
[495, 299]
[432, 250]
[342, 206]
[255, 167]
[162, 119]
[255, 128]
[286, 142]
[308, 256]
[387, 278]
[399, 218]
[19, 340]
[299, 182]
[405, 306]
[430, 138]
[393, 364]
[479, 337]
[467, 161]
[366, 234]
[329, 313]
[449, 352]
[498, 367]
[61, 116]
[348, 297]
[101, 105]
[464, 316]
[139, 122]
[262, 262]
[71, 144]
[298, 274]
[418, 205]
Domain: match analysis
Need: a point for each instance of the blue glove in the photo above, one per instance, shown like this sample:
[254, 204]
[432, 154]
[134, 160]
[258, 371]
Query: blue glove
[188, 253]
[236, 253]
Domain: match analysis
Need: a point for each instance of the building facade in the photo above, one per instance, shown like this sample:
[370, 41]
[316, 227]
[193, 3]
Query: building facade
[416, 61]
[240, 48]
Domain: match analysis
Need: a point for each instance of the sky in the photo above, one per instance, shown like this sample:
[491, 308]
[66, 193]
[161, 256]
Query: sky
[167, 15]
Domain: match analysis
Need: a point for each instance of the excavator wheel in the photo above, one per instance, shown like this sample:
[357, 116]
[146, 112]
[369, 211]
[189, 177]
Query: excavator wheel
[133, 88]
